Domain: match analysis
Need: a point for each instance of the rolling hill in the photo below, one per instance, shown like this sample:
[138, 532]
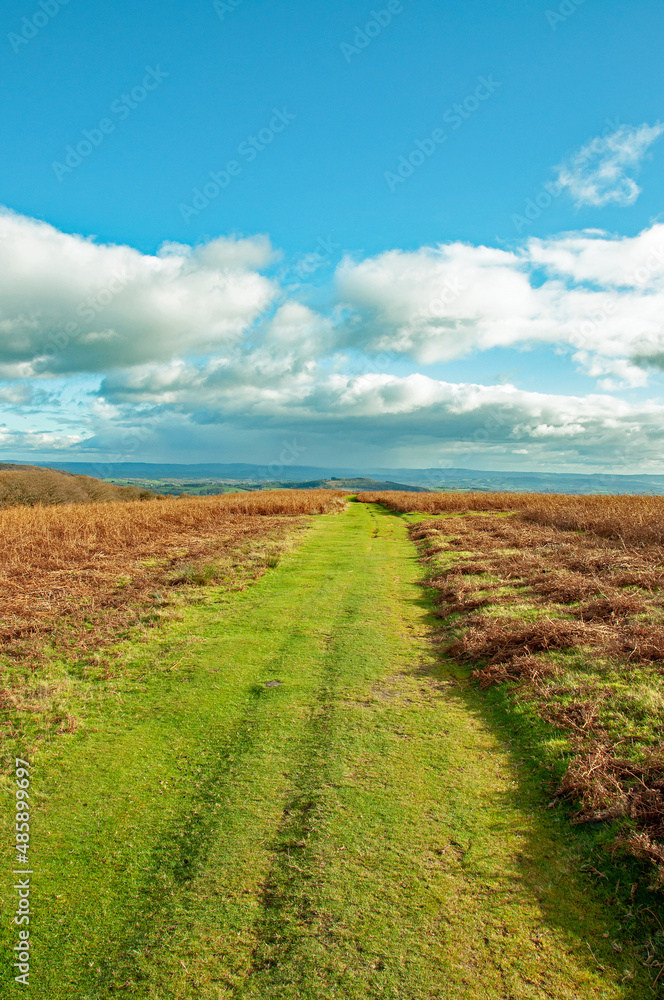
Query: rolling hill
[31, 485]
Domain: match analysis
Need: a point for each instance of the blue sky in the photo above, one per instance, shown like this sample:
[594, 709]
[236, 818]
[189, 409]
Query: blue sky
[407, 233]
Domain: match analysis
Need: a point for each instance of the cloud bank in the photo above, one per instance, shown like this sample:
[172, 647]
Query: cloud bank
[193, 342]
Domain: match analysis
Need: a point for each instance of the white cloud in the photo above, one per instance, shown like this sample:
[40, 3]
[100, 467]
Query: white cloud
[18, 442]
[427, 416]
[594, 257]
[68, 304]
[601, 295]
[436, 304]
[600, 173]
[193, 342]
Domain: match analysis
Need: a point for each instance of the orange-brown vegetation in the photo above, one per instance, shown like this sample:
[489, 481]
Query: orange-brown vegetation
[31, 485]
[440, 503]
[79, 574]
[637, 520]
[563, 597]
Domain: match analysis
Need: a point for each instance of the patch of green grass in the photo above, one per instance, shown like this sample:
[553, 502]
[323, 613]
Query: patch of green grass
[46, 694]
[196, 574]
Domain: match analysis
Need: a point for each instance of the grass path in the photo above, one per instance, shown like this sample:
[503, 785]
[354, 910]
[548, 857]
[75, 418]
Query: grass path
[354, 831]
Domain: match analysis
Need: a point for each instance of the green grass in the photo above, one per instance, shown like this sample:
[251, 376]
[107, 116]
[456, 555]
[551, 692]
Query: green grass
[44, 692]
[357, 830]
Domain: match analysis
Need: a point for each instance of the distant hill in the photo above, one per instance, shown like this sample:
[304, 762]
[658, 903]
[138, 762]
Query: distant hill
[527, 482]
[30, 485]
[253, 476]
[238, 471]
[215, 487]
[356, 485]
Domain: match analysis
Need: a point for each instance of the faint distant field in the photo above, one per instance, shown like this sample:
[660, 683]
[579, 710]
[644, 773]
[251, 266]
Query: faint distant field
[190, 487]
[556, 603]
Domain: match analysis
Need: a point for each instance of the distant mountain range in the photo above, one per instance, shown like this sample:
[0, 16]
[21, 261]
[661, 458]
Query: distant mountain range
[431, 479]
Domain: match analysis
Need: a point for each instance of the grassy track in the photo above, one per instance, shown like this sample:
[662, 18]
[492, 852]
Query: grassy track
[355, 831]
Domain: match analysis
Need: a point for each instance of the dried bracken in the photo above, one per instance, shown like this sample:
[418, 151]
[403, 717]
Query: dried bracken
[81, 573]
[571, 580]
[643, 846]
[33, 486]
[499, 641]
[611, 609]
[628, 519]
[639, 642]
[610, 787]
[518, 668]
[441, 503]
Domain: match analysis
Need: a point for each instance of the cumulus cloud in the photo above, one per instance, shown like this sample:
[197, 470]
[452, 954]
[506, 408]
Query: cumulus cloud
[600, 173]
[595, 258]
[440, 303]
[600, 295]
[193, 342]
[68, 304]
[396, 413]
[18, 442]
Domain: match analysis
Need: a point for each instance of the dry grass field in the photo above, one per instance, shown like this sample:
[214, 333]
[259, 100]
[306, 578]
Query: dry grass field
[638, 520]
[562, 597]
[75, 578]
[33, 486]
[93, 563]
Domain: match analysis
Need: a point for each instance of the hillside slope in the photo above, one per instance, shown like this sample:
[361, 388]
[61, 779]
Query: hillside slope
[31, 485]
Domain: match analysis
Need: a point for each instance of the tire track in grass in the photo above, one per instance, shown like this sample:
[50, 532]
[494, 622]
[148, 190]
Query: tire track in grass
[174, 864]
[176, 859]
[286, 905]
[289, 913]
[287, 908]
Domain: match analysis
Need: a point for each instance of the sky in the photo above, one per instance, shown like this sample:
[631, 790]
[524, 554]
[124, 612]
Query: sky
[417, 233]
